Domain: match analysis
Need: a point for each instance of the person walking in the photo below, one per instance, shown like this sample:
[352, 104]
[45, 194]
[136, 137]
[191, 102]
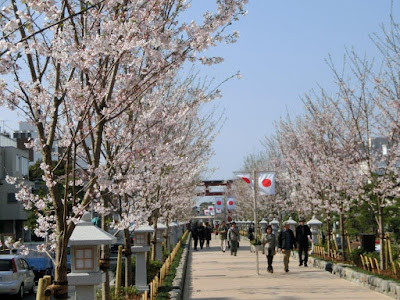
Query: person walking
[195, 236]
[250, 234]
[223, 234]
[286, 242]
[234, 238]
[207, 234]
[269, 243]
[201, 233]
[303, 235]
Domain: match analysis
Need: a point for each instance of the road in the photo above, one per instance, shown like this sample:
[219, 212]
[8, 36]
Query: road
[215, 275]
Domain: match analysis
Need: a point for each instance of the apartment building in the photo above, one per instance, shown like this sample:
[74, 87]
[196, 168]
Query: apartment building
[13, 162]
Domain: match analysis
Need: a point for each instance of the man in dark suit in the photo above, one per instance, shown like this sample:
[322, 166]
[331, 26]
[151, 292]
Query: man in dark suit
[286, 242]
[303, 235]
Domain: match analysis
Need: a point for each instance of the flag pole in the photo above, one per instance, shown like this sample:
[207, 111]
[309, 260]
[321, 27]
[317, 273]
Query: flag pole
[255, 215]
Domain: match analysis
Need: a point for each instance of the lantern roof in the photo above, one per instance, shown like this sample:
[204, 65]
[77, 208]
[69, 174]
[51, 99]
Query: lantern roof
[314, 221]
[161, 226]
[144, 228]
[263, 221]
[291, 221]
[274, 222]
[173, 224]
[86, 233]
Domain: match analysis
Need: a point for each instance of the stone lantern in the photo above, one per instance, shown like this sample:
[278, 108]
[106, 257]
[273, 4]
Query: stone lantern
[275, 225]
[140, 248]
[315, 224]
[263, 225]
[248, 222]
[161, 231]
[243, 224]
[85, 244]
[172, 233]
[292, 223]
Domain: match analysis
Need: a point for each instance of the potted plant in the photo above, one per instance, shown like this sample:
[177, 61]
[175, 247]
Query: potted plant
[256, 245]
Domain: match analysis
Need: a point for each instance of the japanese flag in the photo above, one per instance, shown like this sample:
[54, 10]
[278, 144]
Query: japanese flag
[266, 183]
[218, 210]
[230, 203]
[219, 203]
[206, 212]
[211, 210]
[245, 177]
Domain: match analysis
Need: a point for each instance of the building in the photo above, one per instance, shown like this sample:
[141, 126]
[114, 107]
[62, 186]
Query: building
[13, 162]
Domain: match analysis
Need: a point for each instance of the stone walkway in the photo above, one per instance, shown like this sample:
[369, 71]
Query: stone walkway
[215, 275]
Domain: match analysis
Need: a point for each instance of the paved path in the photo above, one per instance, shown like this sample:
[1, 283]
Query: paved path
[215, 275]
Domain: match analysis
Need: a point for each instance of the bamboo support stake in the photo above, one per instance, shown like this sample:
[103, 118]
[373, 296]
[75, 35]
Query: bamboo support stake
[40, 290]
[348, 243]
[47, 279]
[118, 273]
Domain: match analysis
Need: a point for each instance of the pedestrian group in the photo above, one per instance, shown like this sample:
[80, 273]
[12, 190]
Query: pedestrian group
[229, 237]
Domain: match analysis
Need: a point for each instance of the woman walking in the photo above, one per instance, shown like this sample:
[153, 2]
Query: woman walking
[207, 233]
[223, 233]
[234, 237]
[269, 243]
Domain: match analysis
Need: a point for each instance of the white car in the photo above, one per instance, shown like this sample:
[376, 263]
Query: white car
[16, 277]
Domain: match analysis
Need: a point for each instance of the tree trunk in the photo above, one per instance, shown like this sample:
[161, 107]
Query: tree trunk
[60, 271]
[105, 257]
[329, 233]
[154, 239]
[128, 258]
[381, 237]
[342, 236]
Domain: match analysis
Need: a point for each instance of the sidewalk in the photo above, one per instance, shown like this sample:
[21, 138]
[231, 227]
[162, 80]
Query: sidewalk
[212, 274]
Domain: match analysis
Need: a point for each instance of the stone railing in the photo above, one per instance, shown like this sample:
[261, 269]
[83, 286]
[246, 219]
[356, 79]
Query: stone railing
[390, 288]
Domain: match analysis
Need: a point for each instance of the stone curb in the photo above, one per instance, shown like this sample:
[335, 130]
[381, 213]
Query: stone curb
[387, 287]
[179, 280]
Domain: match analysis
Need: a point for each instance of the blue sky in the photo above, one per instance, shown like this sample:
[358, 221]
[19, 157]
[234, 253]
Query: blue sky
[281, 55]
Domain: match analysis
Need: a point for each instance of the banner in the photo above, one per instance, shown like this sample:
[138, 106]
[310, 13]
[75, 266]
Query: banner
[206, 212]
[219, 203]
[266, 183]
[218, 210]
[244, 176]
[230, 203]
[211, 210]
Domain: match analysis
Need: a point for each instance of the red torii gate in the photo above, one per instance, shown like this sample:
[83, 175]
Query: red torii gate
[212, 183]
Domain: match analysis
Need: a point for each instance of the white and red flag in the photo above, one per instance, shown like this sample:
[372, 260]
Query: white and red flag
[211, 210]
[219, 203]
[206, 212]
[218, 210]
[230, 203]
[245, 177]
[266, 183]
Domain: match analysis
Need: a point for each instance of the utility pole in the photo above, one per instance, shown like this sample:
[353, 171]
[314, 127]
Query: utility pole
[255, 185]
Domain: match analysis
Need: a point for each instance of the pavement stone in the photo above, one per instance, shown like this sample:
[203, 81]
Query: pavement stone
[212, 274]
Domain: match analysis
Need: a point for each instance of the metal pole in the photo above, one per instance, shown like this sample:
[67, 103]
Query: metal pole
[255, 179]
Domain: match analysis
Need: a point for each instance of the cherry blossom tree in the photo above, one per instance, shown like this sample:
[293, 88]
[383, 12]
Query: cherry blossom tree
[77, 66]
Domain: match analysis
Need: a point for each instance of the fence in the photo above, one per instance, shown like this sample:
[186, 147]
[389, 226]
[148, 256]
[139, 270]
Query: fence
[159, 279]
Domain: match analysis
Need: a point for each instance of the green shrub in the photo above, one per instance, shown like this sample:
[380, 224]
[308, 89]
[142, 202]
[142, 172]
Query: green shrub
[355, 256]
[125, 291]
[163, 291]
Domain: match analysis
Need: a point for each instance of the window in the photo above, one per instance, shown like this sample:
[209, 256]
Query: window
[11, 198]
[84, 259]
[140, 239]
[24, 166]
[384, 149]
[5, 265]
[17, 163]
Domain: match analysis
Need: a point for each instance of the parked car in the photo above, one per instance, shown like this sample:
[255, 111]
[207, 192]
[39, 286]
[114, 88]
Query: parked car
[16, 276]
[41, 266]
